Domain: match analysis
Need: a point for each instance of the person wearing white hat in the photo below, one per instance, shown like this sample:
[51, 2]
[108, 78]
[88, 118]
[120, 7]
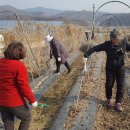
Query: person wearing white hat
[1, 38]
[59, 52]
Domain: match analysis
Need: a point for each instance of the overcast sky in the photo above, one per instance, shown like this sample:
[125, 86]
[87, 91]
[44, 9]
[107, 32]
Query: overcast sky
[69, 5]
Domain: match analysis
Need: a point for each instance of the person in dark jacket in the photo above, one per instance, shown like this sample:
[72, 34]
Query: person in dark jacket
[115, 69]
[59, 52]
[14, 88]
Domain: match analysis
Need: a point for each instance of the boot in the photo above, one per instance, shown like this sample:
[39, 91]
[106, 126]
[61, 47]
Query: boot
[118, 107]
[67, 66]
[69, 70]
[57, 72]
[109, 103]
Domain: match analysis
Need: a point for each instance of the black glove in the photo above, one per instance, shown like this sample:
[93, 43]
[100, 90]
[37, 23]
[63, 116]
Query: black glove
[50, 56]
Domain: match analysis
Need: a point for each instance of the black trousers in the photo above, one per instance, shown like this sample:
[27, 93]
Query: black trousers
[111, 77]
[21, 112]
[58, 64]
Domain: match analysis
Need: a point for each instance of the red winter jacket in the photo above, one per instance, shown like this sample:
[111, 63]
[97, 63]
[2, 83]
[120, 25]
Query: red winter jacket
[14, 87]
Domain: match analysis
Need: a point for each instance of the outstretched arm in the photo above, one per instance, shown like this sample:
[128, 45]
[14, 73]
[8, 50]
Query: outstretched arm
[96, 48]
[23, 85]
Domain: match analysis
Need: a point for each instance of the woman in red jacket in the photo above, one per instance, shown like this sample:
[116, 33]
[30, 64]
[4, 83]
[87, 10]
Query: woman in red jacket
[14, 88]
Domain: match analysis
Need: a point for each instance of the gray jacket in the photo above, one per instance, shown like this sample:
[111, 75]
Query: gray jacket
[57, 50]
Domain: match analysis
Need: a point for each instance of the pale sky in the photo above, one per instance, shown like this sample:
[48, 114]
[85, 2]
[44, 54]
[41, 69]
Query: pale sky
[69, 5]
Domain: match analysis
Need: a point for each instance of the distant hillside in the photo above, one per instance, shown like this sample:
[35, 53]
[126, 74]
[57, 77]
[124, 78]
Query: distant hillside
[125, 18]
[81, 17]
[40, 13]
[21, 13]
[78, 17]
[115, 19]
[47, 11]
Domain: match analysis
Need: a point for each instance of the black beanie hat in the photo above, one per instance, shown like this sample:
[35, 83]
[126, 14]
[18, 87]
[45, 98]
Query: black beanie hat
[114, 34]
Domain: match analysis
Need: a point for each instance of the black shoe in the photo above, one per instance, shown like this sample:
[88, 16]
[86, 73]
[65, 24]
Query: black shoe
[69, 71]
[57, 72]
[109, 103]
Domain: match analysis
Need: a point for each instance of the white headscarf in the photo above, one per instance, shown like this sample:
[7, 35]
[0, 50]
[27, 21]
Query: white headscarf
[48, 38]
[1, 38]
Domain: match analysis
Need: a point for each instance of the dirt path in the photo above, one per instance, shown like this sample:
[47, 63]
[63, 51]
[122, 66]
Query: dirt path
[50, 78]
[59, 122]
[82, 115]
[109, 119]
[55, 97]
[90, 113]
[100, 118]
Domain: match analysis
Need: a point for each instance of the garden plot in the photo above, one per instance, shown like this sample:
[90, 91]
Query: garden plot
[86, 116]
[82, 114]
[109, 119]
[54, 98]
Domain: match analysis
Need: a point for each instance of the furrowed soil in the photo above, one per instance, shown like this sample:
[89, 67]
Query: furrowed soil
[106, 119]
[55, 97]
[109, 119]
[78, 110]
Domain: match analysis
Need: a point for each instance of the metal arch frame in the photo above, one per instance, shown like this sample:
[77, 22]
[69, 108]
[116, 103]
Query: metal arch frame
[102, 24]
[117, 17]
[108, 3]
[94, 13]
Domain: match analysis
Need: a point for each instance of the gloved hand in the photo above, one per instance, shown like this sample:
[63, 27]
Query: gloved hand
[85, 59]
[85, 62]
[59, 59]
[35, 104]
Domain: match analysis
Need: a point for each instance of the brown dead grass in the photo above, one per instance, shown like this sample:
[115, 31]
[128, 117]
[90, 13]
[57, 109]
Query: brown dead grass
[88, 85]
[54, 97]
[109, 119]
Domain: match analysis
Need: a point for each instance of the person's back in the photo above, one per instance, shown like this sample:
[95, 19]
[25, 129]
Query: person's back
[58, 47]
[8, 82]
[115, 55]
[14, 88]
[59, 52]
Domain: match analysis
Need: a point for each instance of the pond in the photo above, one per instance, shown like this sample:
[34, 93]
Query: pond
[9, 24]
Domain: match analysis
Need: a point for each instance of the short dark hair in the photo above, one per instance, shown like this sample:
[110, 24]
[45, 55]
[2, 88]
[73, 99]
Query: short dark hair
[15, 51]
[114, 34]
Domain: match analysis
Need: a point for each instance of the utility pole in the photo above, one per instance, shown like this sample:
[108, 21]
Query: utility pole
[109, 28]
[93, 31]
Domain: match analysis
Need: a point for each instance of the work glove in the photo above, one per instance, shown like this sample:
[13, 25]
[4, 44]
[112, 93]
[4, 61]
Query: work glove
[85, 62]
[59, 59]
[35, 104]
[85, 59]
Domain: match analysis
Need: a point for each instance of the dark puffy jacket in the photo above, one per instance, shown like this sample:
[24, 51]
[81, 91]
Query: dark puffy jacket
[115, 54]
[58, 50]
